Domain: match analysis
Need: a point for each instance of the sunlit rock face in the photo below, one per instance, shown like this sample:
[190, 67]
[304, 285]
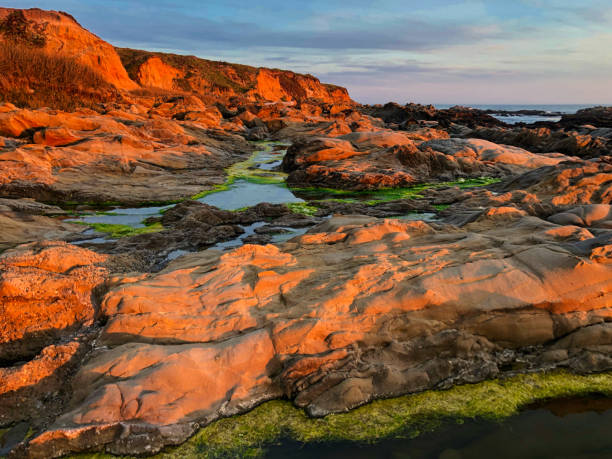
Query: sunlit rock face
[384, 159]
[358, 308]
[224, 80]
[127, 156]
[585, 142]
[45, 295]
[61, 33]
[119, 349]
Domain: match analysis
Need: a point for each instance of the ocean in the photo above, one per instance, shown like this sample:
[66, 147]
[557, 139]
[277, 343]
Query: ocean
[513, 119]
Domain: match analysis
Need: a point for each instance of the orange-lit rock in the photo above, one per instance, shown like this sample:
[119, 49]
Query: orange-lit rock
[224, 81]
[25, 387]
[46, 292]
[356, 309]
[63, 34]
[576, 183]
[120, 157]
[485, 151]
[155, 73]
[55, 137]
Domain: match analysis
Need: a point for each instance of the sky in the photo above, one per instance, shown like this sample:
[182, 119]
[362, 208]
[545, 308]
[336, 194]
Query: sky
[433, 51]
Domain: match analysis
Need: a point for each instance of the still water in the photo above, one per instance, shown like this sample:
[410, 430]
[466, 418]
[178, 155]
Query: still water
[576, 428]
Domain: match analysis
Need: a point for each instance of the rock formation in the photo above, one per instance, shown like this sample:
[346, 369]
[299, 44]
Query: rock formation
[391, 159]
[223, 80]
[495, 258]
[357, 308]
[58, 32]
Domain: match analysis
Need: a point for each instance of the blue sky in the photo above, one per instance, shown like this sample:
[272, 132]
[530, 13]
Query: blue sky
[436, 51]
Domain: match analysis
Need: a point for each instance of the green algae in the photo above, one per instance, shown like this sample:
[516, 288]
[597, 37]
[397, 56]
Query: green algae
[440, 207]
[373, 197]
[116, 231]
[303, 208]
[247, 170]
[249, 434]
[214, 189]
[408, 416]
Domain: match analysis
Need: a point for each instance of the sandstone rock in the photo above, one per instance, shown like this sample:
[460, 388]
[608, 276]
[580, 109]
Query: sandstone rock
[94, 158]
[155, 73]
[18, 228]
[484, 151]
[45, 294]
[63, 34]
[358, 308]
[592, 215]
[36, 391]
[544, 140]
[382, 159]
[224, 81]
[576, 183]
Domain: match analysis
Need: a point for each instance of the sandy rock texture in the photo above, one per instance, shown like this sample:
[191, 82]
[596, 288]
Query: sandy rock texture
[385, 159]
[358, 308]
[132, 156]
[222, 80]
[25, 220]
[123, 348]
[45, 294]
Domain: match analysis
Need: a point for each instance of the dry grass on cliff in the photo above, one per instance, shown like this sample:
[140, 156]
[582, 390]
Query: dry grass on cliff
[33, 78]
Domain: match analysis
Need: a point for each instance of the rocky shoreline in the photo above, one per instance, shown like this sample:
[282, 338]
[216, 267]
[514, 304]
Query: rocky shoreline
[411, 250]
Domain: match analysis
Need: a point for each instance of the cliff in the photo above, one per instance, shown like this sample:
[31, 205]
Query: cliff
[60, 34]
[52, 36]
[222, 79]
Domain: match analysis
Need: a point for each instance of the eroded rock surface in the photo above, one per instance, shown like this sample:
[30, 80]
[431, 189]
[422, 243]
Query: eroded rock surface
[46, 294]
[123, 350]
[125, 157]
[357, 308]
[385, 159]
[25, 220]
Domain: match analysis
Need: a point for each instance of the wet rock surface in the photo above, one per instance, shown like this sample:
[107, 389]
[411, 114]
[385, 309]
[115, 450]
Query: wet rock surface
[25, 220]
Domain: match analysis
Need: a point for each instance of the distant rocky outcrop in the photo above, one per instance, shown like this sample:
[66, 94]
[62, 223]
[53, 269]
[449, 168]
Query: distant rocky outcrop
[409, 114]
[587, 142]
[600, 117]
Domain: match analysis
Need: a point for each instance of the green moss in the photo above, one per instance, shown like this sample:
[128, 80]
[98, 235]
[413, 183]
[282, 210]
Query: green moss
[215, 189]
[249, 434]
[117, 231]
[411, 415]
[373, 197]
[441, 206]
[248, 170]
[303, 208]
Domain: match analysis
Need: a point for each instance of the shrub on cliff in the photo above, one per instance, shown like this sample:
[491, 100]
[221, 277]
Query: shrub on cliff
[31, 77]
